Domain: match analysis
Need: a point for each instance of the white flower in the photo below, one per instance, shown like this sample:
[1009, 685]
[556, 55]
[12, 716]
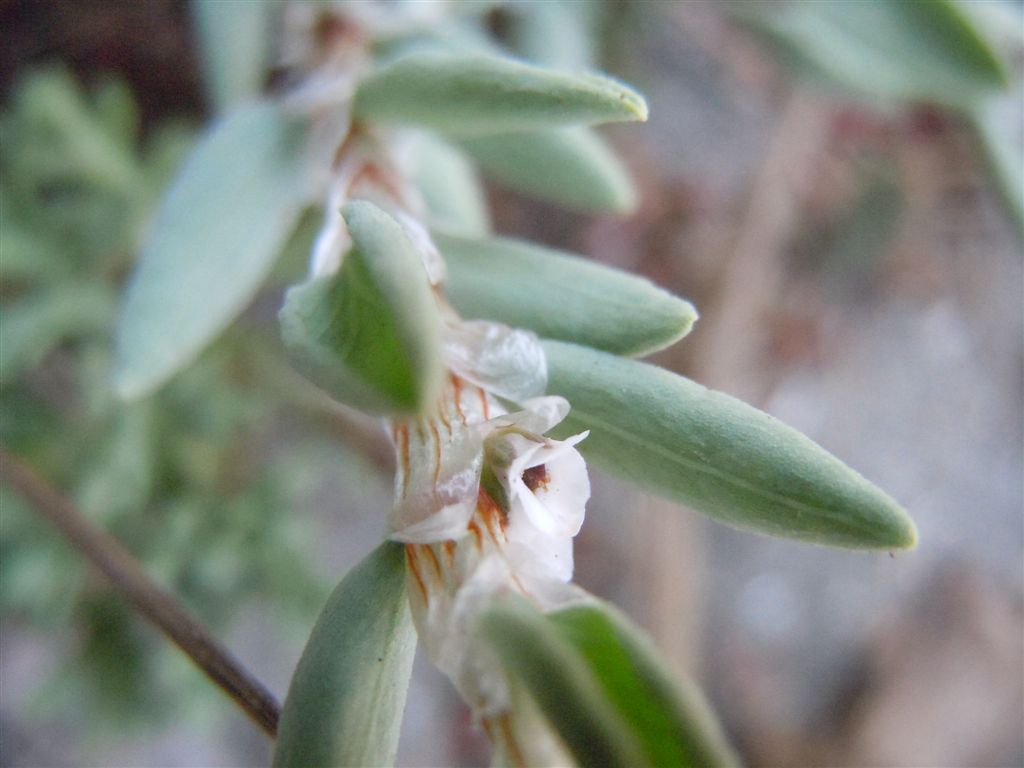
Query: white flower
[486, 504]
[508, 362]
[543, 484]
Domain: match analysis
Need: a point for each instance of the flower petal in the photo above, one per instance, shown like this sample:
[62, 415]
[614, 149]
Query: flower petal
[439, 464]
[506, 361]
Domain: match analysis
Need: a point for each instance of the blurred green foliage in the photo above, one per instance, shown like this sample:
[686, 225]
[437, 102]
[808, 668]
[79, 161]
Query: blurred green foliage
[197, 481]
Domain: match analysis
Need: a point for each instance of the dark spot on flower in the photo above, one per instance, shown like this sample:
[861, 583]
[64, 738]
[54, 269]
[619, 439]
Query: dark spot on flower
[536, 477]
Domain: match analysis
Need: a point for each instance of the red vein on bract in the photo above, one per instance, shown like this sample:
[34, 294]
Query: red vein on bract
[475, 529]
[506, 730]
[429, 550]
[443, 415]
[490, 513]
[403, 435]
[410, 559]
[449, 550]
[458, 398]
[437, 451]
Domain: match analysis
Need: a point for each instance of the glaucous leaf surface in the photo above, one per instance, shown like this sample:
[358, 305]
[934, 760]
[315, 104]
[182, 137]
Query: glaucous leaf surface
[214, 239]
[556, 33]
[999, 123]
[478, 94]
[345, 701]
[889, 48]
[561, 296]
[369, 334]
[717, 454]
[561, 682]
[668, 718]
[450, 185]
[457, 37]
[234, 43]
[572, 167]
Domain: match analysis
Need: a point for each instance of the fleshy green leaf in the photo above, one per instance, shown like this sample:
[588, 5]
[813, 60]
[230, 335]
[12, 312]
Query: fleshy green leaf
[59, 133]
[28, 254]
[999, 123]
[234, 42]
[561, 296]
[476, 94]
[116, 107]
[369, 334]
[888, 48]
[345, 701]
[668, 717]
[450, 187]
[214, 239]
[556, 33]
[459, 37]
[571, 167]
[559, 679]
[717, 454]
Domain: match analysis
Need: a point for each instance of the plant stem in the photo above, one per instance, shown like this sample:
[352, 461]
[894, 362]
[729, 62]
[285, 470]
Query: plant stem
[128, 577]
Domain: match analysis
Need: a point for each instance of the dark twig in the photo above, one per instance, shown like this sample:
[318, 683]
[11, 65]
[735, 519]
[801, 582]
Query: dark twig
[128, 576]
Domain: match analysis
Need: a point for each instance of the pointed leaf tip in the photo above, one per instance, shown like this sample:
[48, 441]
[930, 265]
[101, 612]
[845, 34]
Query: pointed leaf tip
[562, 296]
[345, 700]
[572, 167]
[478, 94]
[369, 334]
[603, 688]
[717, 454]
[214, 239]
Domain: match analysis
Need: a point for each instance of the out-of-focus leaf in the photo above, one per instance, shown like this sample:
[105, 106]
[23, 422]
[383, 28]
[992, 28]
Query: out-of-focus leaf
[293, 263]
[166, 152]
[450, 187]
[27, 255]
[474, 95]
[856, 241]
[537, 655]
[345, 701]
[234, 43]
[214, 239]
[668, 717]
[561, 296]
[571, 167]
[58, 134]
[29, 330]
[370, 333]
[1000, 126]
[121, 482]
[556, 33]
[457, 37]
[717, 454]
[887, 48]
[116, 107]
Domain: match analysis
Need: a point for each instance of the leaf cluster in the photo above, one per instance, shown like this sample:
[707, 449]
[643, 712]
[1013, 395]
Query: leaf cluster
[184, 479]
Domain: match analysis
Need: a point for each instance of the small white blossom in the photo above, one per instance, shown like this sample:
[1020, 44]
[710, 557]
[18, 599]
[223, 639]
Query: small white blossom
[489, 506]
[547, 488]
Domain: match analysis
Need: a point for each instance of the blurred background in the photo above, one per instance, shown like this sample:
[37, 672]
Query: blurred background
[857, 261]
